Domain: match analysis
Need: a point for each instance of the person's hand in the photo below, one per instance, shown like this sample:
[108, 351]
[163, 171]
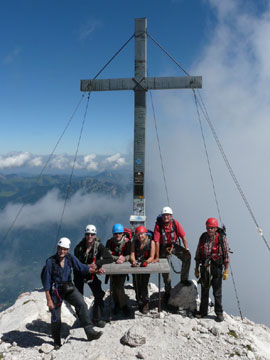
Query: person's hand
[50, 305]
[144, 264]
[100, 271]
[134, 264]
[225, 274]
[93, 266]
[120, 260]
[197, 273]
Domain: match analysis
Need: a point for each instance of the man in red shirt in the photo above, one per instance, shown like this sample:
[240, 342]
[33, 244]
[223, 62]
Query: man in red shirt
[167, 235]
[212, 263]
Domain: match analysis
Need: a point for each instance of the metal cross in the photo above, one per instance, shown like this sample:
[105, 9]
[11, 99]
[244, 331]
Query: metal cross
[140, 84]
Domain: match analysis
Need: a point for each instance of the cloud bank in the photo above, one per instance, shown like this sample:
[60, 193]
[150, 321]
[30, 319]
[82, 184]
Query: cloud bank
[235, 66]
[90, 162]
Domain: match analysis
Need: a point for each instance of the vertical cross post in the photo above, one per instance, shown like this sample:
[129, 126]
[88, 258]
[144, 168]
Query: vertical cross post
[139, 117]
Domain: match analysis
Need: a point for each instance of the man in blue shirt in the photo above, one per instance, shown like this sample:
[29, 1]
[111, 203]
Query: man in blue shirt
[58, 286]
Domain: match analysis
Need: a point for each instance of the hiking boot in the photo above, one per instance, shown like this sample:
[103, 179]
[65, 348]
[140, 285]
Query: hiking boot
[91, 333]
[57, 345]
[219, 318]
[145, 308]
[200, 316]
[186, 282]
[126, 310]
[99, 323]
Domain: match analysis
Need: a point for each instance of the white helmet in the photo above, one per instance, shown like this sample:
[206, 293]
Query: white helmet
[90, 229]
[167, 210]
[64, 242]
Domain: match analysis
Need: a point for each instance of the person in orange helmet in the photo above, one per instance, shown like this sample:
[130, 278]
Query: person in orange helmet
[142, 254]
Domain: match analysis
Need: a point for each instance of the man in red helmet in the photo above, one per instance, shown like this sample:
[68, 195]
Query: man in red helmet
[213, 257]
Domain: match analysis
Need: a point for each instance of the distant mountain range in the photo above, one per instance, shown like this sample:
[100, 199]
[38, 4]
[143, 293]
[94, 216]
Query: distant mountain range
[29, 189]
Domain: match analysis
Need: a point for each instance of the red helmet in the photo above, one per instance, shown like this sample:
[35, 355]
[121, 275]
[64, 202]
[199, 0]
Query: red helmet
[211, 222]
[140, 230]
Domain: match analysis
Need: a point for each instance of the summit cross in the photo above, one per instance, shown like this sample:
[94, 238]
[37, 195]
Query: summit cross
[140, 84]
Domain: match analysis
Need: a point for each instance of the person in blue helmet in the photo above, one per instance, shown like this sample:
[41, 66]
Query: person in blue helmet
[119, 247]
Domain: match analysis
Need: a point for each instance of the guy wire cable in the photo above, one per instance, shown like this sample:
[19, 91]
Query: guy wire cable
[45, 165]
[214, 189]
[159, 148]
[236, 182]
[62, 134]
[73, 167]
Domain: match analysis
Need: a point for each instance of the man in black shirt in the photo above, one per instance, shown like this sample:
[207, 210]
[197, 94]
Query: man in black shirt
[91, 251]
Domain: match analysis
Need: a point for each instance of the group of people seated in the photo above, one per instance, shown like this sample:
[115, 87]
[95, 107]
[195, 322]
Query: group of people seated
[139, 249]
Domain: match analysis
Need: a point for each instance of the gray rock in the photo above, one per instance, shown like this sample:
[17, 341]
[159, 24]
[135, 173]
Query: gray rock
[134, 336]
[46, 348]
[184, 297]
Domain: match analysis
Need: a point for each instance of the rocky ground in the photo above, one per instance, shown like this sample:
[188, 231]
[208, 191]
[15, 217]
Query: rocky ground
[25, 329]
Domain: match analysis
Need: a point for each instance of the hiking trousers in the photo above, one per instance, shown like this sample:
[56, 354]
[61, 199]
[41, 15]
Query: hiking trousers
[76, 299]
[118, 290]
[184, 255]
[95, 286]
[216, 283]
[140, 283]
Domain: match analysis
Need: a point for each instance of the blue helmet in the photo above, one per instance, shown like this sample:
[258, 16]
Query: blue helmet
[117, 228]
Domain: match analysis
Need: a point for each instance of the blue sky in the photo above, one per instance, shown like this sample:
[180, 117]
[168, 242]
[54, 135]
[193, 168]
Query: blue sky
[48, 46]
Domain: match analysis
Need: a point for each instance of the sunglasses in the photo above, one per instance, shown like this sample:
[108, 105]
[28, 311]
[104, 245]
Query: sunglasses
[90, 234]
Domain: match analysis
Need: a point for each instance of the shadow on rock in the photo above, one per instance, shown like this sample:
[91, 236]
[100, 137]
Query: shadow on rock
[24, 339]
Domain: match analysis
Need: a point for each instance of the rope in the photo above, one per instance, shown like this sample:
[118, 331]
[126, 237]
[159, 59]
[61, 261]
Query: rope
[173, 59]
[172, 265]
[111, 59]
[204, 111]
[207, 157]
[159, 148]
[73, 167]
[61, 136]
[236, 294]
[45, 165]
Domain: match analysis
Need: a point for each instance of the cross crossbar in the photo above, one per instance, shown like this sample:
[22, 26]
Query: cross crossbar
[153, 83]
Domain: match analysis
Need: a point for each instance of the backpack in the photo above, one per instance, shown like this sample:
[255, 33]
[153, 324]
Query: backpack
[128, 233]
[53, 261]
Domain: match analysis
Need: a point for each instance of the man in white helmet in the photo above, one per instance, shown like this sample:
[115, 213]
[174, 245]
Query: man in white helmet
[92, 252]
[168, 234]
[58, 286]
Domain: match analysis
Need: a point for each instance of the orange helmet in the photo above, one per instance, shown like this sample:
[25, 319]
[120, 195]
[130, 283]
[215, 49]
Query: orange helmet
[211, 222]
[140, 230]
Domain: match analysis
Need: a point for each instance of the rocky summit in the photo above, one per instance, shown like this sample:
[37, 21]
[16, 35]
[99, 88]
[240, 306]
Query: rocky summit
[172, 334]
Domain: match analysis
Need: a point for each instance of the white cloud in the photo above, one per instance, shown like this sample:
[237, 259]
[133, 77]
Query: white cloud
[89, 162]
[60, 162]
[116, 160]
[12, 55]
[14, 160]
[49, 210]
[36, 161]
[87, 29]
